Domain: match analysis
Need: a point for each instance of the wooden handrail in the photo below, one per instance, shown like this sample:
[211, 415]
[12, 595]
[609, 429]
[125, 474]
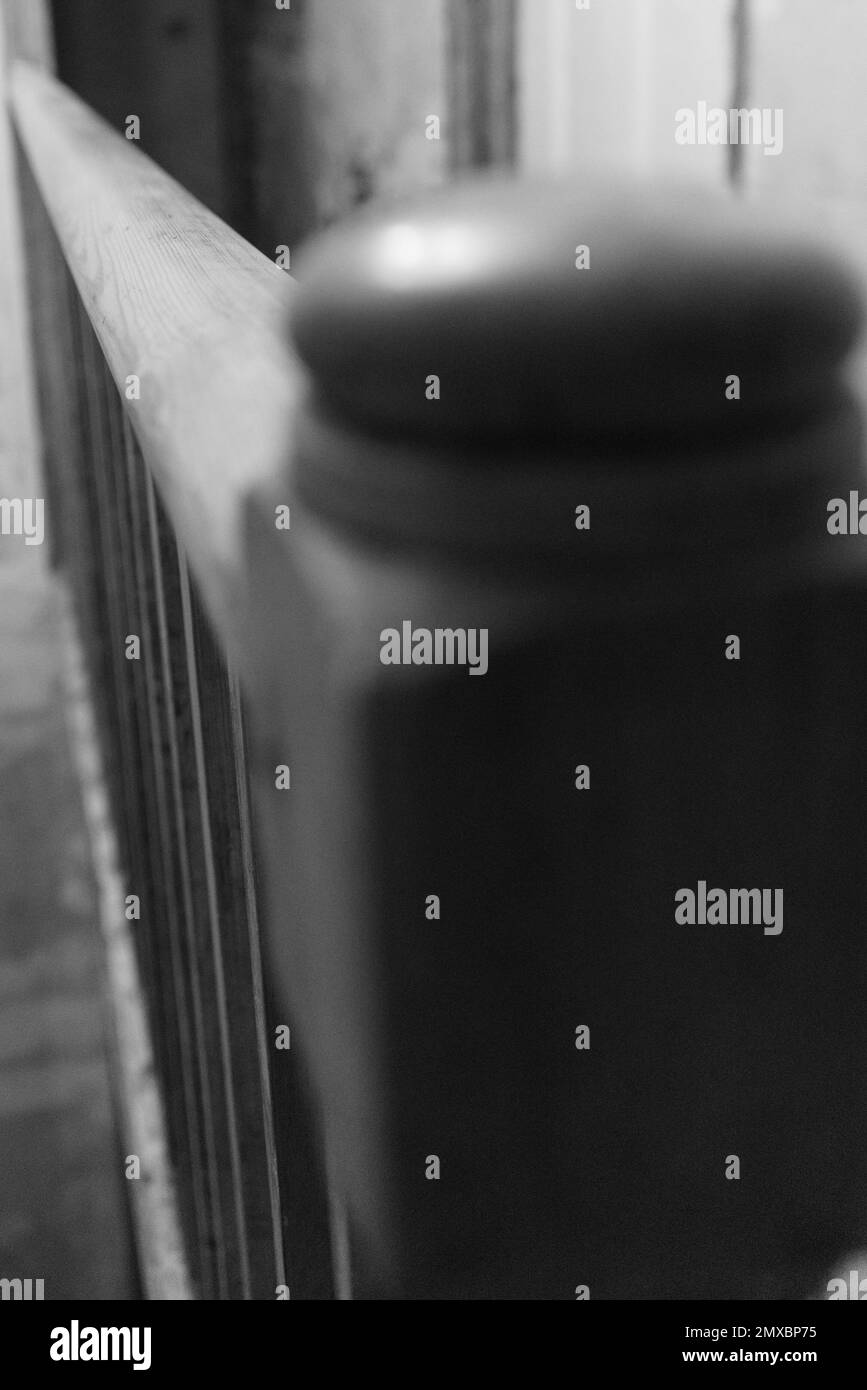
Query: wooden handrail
[448, 905]
[182, 302]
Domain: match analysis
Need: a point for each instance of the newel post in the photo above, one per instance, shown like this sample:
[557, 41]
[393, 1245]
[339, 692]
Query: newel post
[564, 654]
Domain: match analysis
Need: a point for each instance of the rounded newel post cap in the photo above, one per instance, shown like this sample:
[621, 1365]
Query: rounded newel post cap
[523, 313]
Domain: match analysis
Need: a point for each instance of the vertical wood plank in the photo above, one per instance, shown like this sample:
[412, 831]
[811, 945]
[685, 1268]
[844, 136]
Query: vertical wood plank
[160, 60]
[600, 86]
[481, 83]
[806, 61]
[326, 105]
[376, 70]
[803, 60]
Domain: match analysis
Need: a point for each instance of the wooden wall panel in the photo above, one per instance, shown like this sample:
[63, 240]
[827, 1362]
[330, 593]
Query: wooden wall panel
[481, 83]
[601, 85]
[162, 61]
[808, 60]
[376, 72]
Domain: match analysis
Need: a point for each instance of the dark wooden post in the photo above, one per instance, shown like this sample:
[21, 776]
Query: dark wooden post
[451, 898]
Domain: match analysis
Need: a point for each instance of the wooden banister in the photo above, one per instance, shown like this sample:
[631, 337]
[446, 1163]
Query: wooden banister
[182, 302]
[179, 301]
[448, 904]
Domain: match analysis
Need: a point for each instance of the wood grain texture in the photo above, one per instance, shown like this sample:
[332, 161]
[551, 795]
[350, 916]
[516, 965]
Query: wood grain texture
[185, 304]
[20, 472]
